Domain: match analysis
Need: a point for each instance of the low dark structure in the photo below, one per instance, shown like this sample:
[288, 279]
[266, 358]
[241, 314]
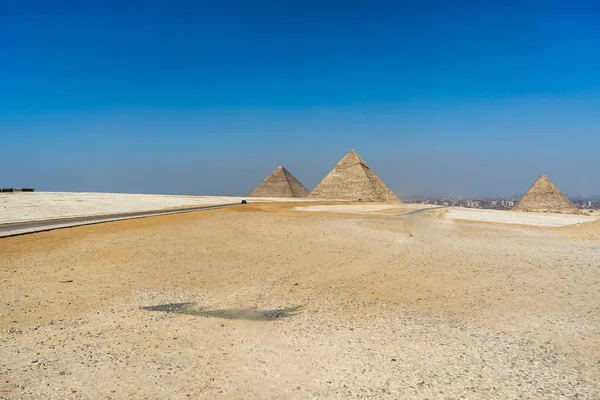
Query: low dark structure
[16, 190]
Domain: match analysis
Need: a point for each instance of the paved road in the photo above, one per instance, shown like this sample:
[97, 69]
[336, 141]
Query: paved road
[23, 228]
[408, 214]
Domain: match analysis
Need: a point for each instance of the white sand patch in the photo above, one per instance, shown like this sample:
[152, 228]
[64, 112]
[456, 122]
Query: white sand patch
[18, 207]
[521, 218]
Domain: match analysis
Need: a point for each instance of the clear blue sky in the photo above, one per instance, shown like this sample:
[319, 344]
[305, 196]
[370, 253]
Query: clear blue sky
[207, 97]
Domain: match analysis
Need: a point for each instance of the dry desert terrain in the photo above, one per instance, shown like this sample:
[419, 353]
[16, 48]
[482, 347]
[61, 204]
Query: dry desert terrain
[20, 207]
[280, 301]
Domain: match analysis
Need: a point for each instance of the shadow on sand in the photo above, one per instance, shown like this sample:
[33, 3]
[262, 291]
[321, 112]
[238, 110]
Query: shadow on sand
[248, 314]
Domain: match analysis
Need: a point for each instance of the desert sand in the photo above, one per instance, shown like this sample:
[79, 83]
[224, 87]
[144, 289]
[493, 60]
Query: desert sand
[265, 301]
[360, 208]
[519, 218]
[19, 207]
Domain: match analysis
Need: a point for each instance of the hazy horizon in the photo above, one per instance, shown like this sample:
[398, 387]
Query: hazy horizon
[182, 97]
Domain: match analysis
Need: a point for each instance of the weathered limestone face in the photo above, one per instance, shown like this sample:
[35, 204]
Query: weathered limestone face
[352, 179]
[280, 183]
[544, 197]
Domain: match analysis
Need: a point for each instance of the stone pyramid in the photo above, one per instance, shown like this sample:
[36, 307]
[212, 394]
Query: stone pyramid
[543, 196]
[352, 179]
[280, 183]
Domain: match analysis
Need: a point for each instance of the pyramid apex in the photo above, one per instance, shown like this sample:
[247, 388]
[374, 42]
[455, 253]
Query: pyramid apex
[542, 178]
[352, 157]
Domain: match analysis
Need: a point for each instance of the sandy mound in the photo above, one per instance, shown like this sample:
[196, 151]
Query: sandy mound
[590, 230]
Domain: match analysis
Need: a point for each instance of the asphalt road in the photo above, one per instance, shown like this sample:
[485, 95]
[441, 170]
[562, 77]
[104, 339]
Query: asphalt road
[408, 214]
[23, 228]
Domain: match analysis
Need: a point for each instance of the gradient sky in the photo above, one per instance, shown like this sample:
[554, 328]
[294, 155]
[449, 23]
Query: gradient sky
[207, 97]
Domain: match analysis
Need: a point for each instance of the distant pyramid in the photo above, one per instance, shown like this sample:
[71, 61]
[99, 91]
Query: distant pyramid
[280, 183]
[544, 197]
[352, 179]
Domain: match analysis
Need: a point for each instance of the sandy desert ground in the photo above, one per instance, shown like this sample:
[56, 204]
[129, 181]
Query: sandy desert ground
[363, 208]
[18, 207]
[519, 218]
[265, 301]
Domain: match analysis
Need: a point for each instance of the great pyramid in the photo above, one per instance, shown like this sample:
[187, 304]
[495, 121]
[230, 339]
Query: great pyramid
[544, 197]
[280, 183]
[352, 179]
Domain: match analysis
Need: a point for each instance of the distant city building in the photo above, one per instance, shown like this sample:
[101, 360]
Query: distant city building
[489, 203]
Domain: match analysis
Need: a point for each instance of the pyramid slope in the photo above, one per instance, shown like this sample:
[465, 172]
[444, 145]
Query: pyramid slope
[544, 197]
[280, 183]
[352, 179]
[298, 189]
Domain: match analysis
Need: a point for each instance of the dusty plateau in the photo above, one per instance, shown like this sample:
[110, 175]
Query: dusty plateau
[270, 301]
